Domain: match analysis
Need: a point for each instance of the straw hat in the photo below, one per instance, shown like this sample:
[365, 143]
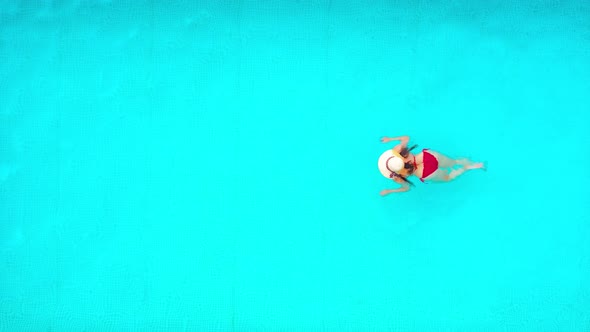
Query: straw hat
[389, 162]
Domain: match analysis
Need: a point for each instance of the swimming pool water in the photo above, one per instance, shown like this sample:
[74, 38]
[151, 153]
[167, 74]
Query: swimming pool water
[212, 166]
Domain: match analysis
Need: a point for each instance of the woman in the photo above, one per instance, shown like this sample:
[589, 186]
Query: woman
[398, 163]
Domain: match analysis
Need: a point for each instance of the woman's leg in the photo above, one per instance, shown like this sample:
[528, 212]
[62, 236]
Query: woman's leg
[441, 175]
[444, 161]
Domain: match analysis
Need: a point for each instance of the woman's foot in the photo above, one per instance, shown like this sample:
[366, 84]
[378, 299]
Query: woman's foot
[476, 166]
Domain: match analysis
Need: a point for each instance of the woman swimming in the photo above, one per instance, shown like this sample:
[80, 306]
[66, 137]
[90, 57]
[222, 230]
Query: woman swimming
[398, 163]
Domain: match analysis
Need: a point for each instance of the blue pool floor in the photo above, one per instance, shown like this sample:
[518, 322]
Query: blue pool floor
[212, 166]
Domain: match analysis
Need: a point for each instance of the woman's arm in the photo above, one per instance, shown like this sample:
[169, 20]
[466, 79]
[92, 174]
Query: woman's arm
[404, 188]
[404, 140]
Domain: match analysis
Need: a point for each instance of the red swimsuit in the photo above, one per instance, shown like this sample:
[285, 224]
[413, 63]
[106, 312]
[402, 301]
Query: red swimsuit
[430, 164]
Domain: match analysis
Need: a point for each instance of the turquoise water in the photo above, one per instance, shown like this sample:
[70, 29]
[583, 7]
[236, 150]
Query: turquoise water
[212, 166]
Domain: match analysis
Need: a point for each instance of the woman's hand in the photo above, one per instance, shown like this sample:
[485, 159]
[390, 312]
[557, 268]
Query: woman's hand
[403, 139]
[404, 188]
[385, 192]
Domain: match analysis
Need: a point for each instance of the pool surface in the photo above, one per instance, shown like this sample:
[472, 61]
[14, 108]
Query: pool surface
[212, 166]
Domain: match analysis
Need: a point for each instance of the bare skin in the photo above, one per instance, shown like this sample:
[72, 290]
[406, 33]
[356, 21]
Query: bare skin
[440, 175]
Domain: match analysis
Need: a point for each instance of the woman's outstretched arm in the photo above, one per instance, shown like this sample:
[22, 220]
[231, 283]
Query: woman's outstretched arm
[404, 188]
[404, 140]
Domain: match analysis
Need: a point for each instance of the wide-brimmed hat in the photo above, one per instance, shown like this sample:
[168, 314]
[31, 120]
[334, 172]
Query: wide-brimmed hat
[390, 162]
